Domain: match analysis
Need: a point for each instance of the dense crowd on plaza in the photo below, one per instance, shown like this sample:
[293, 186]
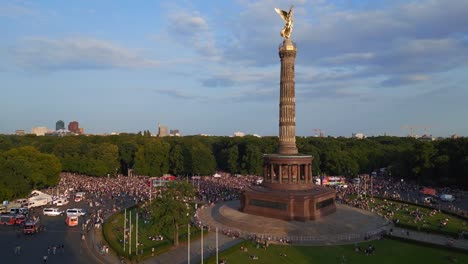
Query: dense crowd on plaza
[224, 187]
[102, 187]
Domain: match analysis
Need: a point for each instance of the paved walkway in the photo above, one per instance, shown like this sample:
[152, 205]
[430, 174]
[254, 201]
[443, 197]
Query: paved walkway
[429, 238]
[360, 225]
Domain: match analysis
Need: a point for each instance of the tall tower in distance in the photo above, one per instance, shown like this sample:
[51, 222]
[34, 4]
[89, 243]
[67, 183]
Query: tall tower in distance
[74, 127]
[60, 125]
[287, 106]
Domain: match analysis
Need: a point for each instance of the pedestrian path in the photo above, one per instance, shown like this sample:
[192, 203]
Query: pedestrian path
[435, 239]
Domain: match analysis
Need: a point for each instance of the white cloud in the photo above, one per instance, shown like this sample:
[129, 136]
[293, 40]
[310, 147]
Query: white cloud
[192, 30]
[76, 54]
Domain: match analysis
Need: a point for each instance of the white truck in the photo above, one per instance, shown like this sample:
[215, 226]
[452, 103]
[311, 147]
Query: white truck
[38, 202]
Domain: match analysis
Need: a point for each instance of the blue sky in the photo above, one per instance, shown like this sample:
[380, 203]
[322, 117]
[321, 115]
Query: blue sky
[213, 67]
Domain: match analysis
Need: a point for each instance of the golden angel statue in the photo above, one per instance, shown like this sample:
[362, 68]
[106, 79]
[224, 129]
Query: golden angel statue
[288, 19]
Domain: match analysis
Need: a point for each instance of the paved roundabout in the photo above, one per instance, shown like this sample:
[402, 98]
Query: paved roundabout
[347, 225]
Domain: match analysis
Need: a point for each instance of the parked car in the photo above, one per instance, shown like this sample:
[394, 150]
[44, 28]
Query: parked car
[23, 211]
[20, 219]
[52, 211]
[447, 198]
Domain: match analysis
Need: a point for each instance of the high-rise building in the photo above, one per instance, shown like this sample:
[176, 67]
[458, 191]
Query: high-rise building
[39, 131]
[60, 125]
[74, 127]
[162, 131]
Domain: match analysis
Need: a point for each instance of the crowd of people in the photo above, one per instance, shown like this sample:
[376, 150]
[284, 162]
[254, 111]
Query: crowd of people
[106, 187]
[223, 187]
[394, 189]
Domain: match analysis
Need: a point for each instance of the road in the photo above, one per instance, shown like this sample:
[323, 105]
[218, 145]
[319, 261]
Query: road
[34, 247]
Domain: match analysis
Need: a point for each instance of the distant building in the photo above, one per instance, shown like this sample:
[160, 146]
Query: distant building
[81, 131]
[59, 133]
[20, 132]
[59, 125]
[358, 135]
[162, 131]
[239, 134]
[39, 131]
[426, 138]
[174, 133]
[74, 127]
[454, 136]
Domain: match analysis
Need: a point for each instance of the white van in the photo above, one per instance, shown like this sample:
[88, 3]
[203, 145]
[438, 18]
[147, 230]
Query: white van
[60, 202]
[75, 212]
[52, 211]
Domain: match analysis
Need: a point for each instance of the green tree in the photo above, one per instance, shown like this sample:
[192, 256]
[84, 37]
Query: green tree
[172, 209]
[152, 159]
[127, 152]
[202, 161]
[176, 160]
[25, 168]
[233, 159]
[252, 160]
[422, 159]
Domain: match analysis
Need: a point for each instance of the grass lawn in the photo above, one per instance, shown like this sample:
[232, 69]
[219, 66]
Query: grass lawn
[113, 233]
[386, 251]
[429, 219]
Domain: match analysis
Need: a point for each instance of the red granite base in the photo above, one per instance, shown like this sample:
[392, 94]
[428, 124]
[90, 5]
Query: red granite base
[301, 205]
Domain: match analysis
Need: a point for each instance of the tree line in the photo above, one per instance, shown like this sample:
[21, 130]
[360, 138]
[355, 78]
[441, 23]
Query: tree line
[437, 162]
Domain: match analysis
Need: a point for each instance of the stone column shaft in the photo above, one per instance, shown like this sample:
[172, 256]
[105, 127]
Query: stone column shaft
[287, 107]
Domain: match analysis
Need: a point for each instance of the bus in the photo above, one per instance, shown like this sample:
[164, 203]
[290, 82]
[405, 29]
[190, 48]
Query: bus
[334, 181]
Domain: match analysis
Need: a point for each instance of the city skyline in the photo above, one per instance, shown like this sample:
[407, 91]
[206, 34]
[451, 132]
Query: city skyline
[369, 67]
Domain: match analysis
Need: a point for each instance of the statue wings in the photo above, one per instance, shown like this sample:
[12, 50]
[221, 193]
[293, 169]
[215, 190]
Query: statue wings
[288, 20]
[286, 16]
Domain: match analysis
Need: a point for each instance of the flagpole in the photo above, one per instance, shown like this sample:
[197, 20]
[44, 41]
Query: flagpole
[130, 236]
[202, 244]
[188, 247]
[136, 233]
[217, 245]
[125, 227]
